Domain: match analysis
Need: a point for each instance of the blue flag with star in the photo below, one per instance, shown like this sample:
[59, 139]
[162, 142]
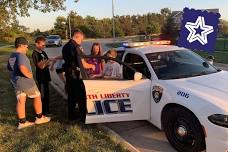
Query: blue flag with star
[199, 30]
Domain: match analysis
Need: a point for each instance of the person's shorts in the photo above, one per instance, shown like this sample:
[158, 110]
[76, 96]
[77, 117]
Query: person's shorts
[59, 71]
[30, 93]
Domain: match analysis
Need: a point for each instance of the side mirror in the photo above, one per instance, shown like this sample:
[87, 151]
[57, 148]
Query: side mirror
[137, 76]
[210, 59]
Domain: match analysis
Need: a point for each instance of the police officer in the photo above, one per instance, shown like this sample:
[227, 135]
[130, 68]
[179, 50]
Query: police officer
[75, 88]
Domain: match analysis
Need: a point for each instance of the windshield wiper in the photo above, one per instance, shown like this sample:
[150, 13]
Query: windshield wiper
[175, 76]
[199, 74]
[184, 75]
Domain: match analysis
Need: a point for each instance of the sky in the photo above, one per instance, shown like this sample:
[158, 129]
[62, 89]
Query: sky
[103, 8]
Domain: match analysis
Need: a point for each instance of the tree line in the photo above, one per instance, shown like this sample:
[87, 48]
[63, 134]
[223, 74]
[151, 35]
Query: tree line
[151, 23]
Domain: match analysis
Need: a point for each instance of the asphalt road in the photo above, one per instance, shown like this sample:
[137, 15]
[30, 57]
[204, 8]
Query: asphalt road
[56, 51]
[141, 134]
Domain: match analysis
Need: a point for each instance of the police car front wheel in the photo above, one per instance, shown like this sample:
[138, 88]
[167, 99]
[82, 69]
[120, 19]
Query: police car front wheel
[183, 130]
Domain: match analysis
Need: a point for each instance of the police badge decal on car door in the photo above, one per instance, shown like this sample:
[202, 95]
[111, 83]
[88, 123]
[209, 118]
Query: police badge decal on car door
[157, 93]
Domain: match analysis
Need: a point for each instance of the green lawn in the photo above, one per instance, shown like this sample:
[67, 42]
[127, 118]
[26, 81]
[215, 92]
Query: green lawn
[114, 45]
[2, 43]
[59, 135]
[222, 44]
[220, 57]
[6, 50]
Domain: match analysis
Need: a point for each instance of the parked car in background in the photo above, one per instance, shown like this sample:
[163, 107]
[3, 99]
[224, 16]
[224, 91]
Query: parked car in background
[54, 40]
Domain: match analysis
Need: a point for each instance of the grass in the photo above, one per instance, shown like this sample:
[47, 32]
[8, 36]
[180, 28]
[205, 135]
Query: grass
[2, 43]
[222, 44]
[220, 57]
[114, 45]
[59, 135]
[7, 50]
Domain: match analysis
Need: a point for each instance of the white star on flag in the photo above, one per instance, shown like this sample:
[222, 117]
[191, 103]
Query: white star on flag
[202, 37]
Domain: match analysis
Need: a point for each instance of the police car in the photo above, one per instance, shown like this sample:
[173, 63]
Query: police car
[171, 87]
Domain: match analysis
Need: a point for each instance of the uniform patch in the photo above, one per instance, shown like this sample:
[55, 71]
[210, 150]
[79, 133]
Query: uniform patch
[157, 93]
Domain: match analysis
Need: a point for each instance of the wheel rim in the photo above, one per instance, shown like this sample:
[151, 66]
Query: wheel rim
[183, 133]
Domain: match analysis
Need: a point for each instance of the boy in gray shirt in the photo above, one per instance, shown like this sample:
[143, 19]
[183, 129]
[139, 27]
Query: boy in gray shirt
[24, 84]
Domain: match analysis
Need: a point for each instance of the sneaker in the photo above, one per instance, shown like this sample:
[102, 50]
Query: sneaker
[42, 120]
[25, 125]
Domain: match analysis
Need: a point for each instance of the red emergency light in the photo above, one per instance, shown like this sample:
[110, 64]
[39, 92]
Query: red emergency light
[139, 44]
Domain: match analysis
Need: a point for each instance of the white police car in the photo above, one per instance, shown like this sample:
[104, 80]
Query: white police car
[171, 87]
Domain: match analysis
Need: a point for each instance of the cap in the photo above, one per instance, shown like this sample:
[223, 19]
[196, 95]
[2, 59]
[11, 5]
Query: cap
[21, 40]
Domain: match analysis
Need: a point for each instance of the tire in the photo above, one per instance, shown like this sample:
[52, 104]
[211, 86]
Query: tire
[183, 130]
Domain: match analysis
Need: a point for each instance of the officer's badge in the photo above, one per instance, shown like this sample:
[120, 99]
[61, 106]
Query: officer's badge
[157, 93]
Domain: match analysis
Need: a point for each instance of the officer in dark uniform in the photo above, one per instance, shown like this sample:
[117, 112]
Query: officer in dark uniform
[75, 88]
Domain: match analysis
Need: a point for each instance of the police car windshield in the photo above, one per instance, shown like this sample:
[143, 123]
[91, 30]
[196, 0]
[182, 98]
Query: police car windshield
[179, 64]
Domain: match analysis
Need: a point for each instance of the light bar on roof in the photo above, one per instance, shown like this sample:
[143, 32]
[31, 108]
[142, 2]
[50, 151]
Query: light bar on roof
[138, 44]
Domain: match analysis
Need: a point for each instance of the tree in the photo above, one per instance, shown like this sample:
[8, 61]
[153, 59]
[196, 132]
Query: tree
[21, 7]
[165, 12]
[125, 24]
[169, 25]
[10, 9]
[224, 27]
[153, 28]
[60, 26]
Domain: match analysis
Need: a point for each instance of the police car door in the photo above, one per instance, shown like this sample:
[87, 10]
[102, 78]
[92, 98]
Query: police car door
[110, 100]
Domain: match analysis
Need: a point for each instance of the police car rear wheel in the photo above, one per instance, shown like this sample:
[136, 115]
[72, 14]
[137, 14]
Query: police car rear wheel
[183, 130]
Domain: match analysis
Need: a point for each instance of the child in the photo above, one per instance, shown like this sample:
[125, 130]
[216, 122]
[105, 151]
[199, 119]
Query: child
[112, 69]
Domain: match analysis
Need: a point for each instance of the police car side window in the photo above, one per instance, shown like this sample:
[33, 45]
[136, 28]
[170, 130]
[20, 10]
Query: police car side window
[111, 71]
[138, 63]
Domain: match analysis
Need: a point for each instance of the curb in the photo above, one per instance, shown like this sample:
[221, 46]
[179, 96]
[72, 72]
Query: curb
[119, 139]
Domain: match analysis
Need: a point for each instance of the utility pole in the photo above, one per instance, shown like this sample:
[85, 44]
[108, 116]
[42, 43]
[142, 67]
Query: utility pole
[69, 26]
[113, 20]
[76, 1]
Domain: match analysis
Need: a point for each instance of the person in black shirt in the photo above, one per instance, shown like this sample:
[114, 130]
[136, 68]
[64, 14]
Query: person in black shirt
[75, 88]
[41, 61]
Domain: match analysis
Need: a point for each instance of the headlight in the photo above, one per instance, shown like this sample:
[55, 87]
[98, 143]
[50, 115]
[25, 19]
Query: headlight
[219, 119]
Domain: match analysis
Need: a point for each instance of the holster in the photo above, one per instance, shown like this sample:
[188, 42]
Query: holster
[74, 73]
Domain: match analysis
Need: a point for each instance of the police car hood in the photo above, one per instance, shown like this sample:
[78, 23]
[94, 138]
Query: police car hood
[210, 87]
